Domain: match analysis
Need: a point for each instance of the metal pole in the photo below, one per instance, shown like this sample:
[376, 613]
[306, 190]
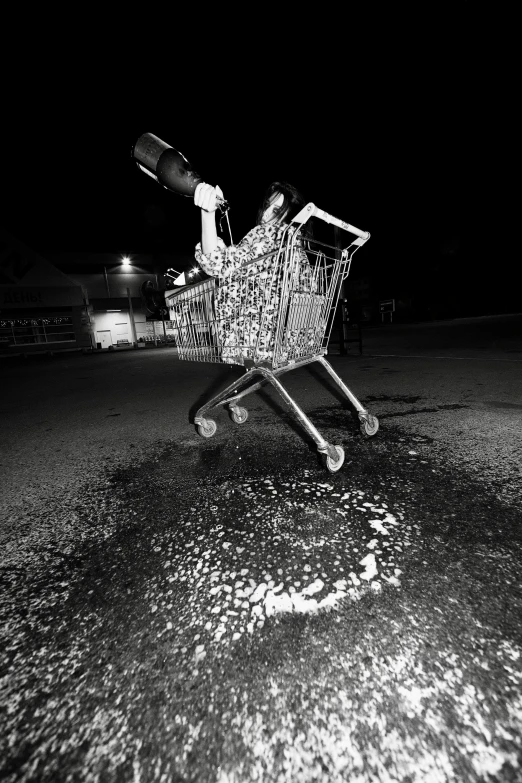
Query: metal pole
[88, 317]
[107, 282]
[133, 325]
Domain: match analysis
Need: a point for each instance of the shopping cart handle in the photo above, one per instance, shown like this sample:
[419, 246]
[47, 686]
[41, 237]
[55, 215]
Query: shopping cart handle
[310, 210]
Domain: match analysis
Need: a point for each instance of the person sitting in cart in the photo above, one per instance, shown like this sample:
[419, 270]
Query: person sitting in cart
[249, 291]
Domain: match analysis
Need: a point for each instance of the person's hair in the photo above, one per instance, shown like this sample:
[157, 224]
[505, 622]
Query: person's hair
[293, 202]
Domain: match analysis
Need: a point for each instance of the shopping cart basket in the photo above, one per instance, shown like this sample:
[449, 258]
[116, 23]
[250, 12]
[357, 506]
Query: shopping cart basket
[273, 315]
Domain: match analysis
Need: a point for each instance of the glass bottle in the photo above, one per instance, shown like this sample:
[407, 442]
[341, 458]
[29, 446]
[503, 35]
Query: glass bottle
[167, 166]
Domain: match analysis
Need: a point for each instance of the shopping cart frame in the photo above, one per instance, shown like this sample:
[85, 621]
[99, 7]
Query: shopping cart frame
[258, 373]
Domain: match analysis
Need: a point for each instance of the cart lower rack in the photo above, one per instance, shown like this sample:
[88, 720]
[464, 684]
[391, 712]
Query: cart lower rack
[273, 315]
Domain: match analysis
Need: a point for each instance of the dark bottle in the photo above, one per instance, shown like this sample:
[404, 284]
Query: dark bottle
[167, 166]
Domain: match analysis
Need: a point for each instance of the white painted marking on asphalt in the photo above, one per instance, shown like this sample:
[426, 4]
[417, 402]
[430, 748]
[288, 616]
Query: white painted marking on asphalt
[458, 358]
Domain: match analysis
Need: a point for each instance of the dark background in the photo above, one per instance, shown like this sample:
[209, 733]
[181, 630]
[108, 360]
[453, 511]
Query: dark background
[378, 116]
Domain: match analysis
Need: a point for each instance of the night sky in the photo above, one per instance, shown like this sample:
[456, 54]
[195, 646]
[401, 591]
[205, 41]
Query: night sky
[377, 120]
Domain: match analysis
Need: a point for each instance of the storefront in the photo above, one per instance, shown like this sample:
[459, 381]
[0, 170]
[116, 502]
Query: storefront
[113, 321]
[79, 300]
[41, 309]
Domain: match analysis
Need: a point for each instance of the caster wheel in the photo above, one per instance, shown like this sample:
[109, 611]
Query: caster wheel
[239, 415]
[208, 428]
[334, 465]
[369, 426]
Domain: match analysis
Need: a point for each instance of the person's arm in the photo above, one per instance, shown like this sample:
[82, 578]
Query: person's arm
[212, 255]
[206, 198]
[223, 261]
[209, 237]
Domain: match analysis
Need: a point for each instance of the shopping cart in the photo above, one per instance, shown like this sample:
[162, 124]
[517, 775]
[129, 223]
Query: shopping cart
[273, 315]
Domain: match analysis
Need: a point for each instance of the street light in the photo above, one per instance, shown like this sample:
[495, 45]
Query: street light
[125, 261]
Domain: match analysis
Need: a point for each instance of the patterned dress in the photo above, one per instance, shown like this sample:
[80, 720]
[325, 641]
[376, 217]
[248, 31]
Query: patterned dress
[248, 294]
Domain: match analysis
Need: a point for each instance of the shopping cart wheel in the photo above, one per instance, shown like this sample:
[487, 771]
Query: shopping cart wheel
[239, 415]
[332, 464]
[369, 425]
[207, 428]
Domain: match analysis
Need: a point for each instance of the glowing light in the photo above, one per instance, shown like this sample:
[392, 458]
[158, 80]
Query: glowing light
[126, 261]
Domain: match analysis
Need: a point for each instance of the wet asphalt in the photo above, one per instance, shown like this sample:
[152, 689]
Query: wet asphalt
[182, 609]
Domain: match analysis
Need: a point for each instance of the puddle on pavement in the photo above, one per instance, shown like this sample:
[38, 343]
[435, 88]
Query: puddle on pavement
[216, 595]
[267, 547]
[231, 536]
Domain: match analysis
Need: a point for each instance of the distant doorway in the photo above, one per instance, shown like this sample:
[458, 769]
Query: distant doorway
[104, 339]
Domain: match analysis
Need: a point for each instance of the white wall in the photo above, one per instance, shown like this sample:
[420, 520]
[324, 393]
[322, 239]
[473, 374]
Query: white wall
[109, 321]
[119, 325]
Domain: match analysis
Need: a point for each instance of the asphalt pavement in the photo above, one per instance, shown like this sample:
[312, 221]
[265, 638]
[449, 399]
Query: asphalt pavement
[181, 609]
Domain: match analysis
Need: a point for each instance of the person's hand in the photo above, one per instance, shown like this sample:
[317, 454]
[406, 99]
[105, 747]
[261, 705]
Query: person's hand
[206, 197]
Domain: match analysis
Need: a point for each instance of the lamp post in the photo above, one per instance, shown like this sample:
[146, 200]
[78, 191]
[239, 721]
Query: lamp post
[107, 282]
[126, 262]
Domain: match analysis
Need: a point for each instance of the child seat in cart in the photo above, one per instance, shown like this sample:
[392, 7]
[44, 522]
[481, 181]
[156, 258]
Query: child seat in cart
[273, 315]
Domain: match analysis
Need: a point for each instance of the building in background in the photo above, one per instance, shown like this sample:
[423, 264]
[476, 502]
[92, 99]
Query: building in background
[73, 301]
[41, 308]
[111, 284]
